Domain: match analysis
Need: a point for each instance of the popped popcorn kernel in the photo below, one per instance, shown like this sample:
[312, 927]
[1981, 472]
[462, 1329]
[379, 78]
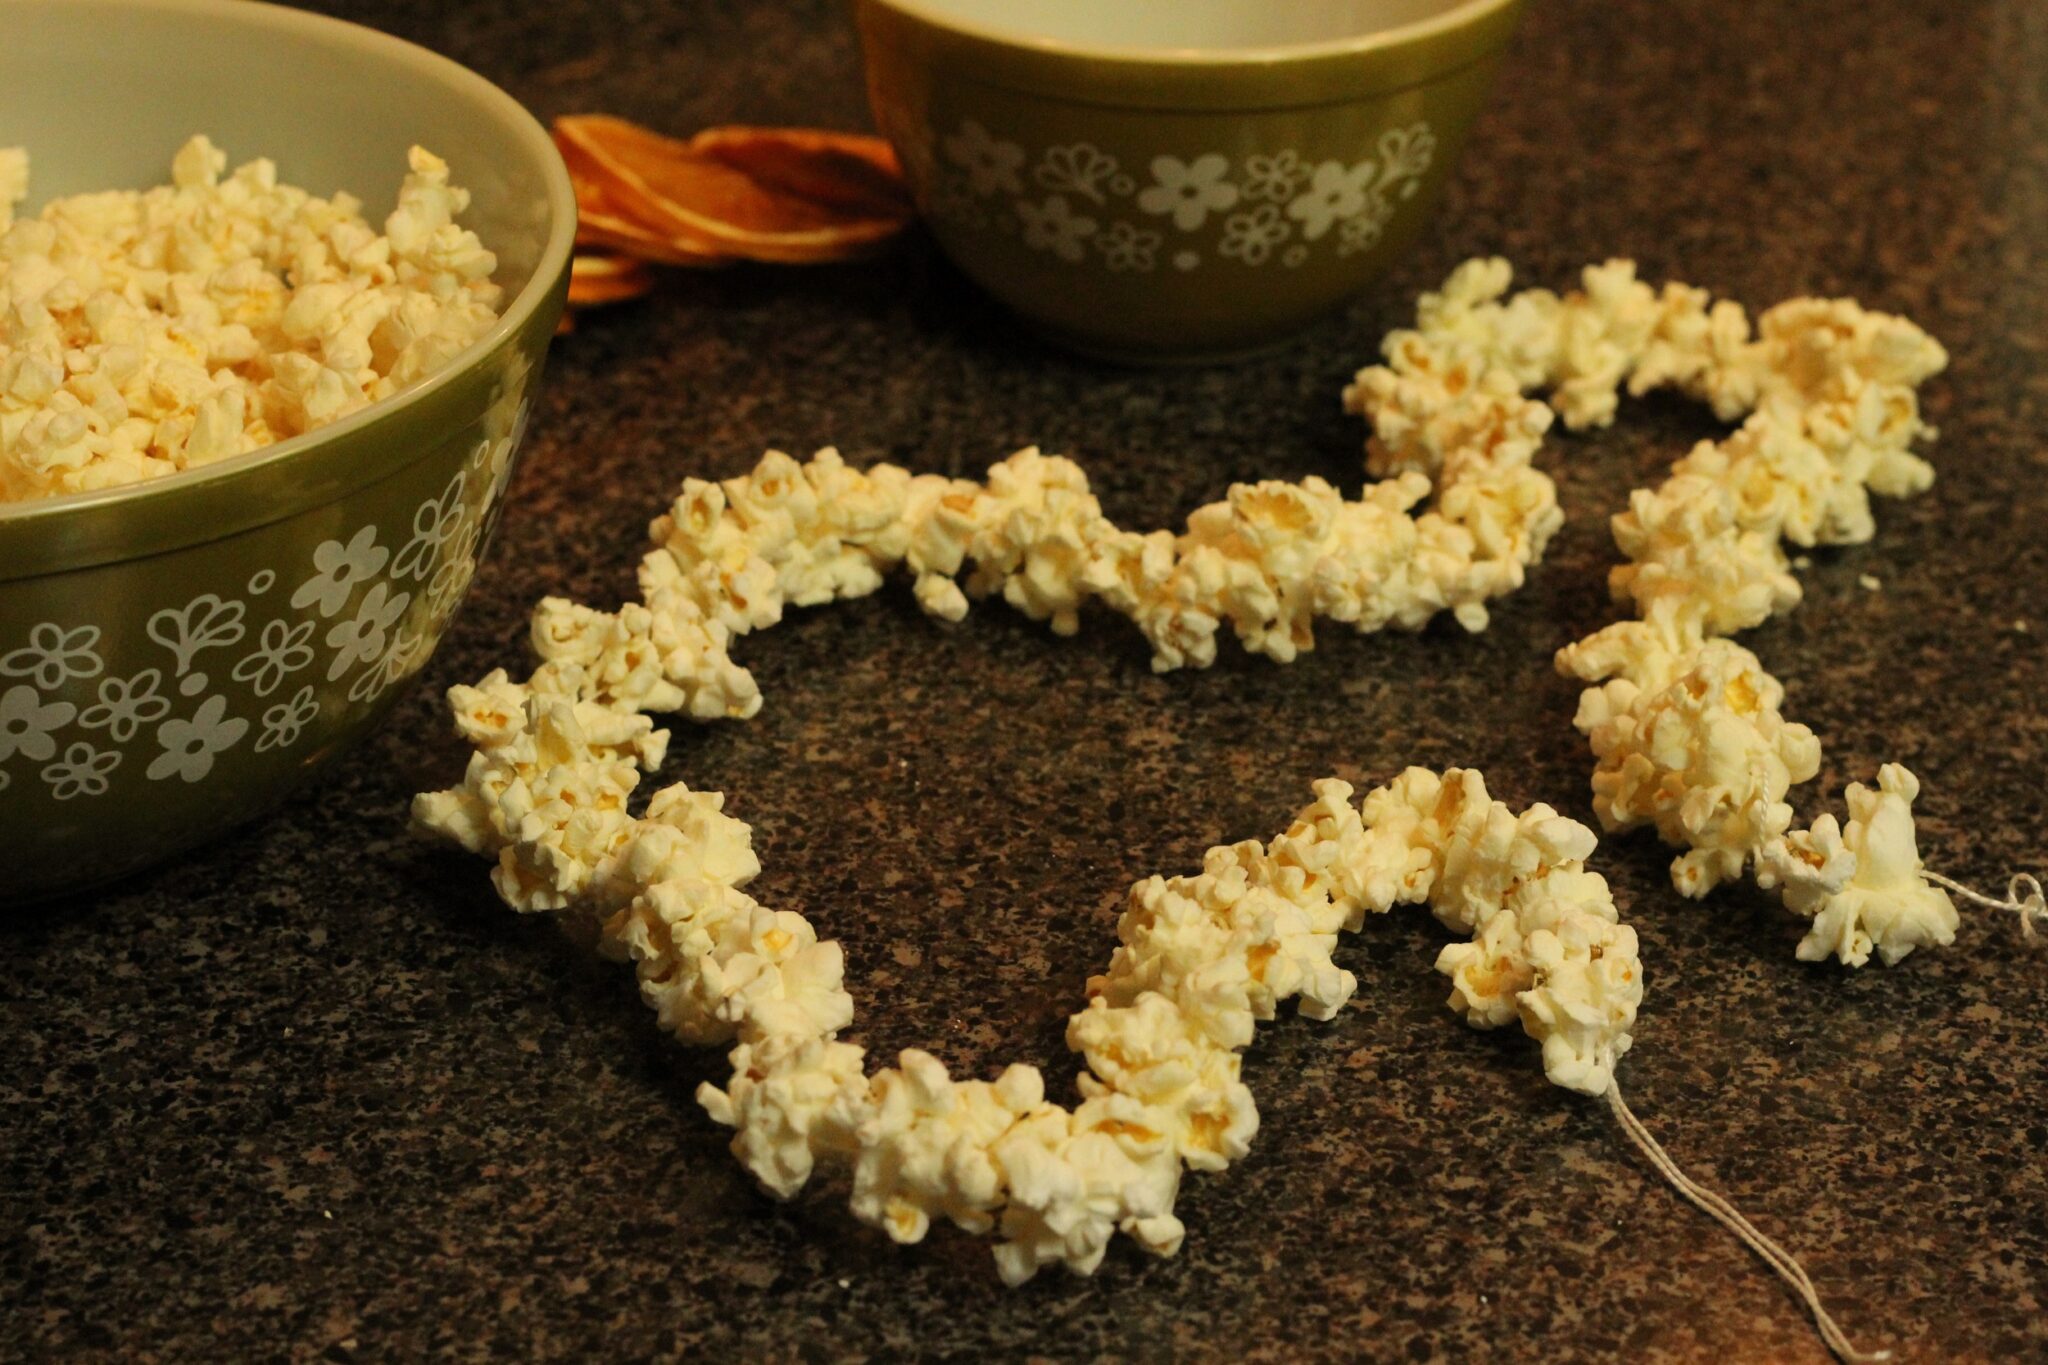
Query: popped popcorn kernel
[1862, 885]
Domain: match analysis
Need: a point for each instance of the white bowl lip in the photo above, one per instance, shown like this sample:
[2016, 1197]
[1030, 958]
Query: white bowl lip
[554, 257]
[937, 15]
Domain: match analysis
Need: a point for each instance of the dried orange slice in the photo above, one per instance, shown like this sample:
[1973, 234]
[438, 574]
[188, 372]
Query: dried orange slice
[601, 220]
[607, 279]
[849, 171]
[614, 233]
[704, 205]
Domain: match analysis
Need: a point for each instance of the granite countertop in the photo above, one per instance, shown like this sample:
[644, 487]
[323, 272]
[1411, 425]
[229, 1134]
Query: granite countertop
[313, 1093]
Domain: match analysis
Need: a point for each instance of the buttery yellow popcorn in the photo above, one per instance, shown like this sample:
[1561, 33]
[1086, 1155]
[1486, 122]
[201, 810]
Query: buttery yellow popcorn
[1708, 759]
[1585, 984]
[1267, 560]
[1692, 564]
[1687, 727]
[790, 1098]
[1152, 1052]
[142, 333]
[1546, 942]
[1689, 738]
[1076, 1179]
[927, 1145]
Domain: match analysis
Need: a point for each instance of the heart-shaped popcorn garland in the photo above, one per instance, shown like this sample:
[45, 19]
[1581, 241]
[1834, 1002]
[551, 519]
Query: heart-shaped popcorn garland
[1829, 389]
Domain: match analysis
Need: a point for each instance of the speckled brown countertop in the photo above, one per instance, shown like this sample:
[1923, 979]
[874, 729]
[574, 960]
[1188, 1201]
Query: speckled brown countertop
[313, 1093]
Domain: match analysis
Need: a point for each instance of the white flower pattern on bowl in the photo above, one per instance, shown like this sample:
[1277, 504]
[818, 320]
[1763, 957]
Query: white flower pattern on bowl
[1363, 232]
[206, 622]
[282, 650]
[126, 705]
[450, 581]
[1125, 247]
[404, 649]
[1335, 192]
[1082, 169]
[360, 638]
[1268, 208]
[1276, 178]
[27, 723]
[432, 526]
[991, 165]
[54, 654]
[1252, 235]
[340, 568]
[283, 722]
[83, 771]
[1406, 154]
[190, 746]
[1189, 191]
[379, 627]
[1052, 226]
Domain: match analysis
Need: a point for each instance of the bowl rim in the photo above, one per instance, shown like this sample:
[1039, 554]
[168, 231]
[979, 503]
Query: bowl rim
[53, 515]
[1305, 76]
[934, 13]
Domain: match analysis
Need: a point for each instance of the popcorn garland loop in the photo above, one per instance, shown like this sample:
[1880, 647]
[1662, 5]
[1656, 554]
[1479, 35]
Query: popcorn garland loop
[1686, 727]
[1200, 961]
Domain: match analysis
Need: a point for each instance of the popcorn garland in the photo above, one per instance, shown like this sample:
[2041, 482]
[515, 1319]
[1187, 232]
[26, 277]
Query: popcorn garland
[728, 557]
[1201, 960]
[1687, 726]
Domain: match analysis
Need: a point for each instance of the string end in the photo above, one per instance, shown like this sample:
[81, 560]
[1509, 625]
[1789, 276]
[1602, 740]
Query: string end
[1781, 1261]
[2023, 898]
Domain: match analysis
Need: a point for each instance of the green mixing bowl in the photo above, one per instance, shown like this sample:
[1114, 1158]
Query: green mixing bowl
[177, 655]
[1184, 180]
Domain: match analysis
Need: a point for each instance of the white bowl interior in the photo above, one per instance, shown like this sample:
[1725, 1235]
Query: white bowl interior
[1183, 25]
[103, 92]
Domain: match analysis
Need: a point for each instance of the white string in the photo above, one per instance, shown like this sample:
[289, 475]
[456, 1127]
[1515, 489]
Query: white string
[1727, 1215]
[2022, 897]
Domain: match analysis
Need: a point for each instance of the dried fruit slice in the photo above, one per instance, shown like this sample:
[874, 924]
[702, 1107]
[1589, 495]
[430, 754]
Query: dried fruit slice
[614, 233]
[705, 205]
[849, 171]
[601, 220]
[607, 279]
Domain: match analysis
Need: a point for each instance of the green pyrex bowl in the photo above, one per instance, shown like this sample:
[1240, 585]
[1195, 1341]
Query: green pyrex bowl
[1176, 182]
[176, 656]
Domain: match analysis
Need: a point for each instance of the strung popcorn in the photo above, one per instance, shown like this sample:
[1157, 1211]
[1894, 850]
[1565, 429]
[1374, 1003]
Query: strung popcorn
[1266, 561]
[1707, 758]
[1687, 728]
[1200, 961]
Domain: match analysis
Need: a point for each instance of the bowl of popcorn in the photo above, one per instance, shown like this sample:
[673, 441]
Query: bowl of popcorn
[1178, 181]
[257, 412]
